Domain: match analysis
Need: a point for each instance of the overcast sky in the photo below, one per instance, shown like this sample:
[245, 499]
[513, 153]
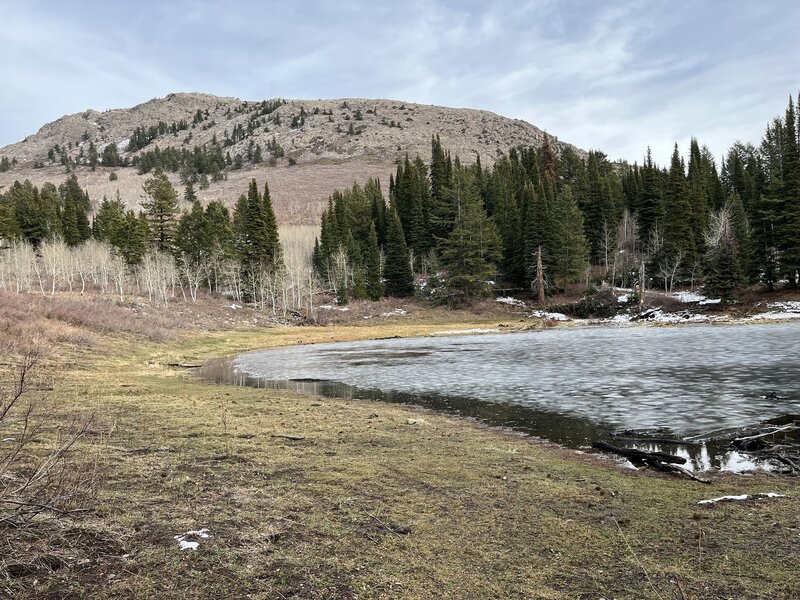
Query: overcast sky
[615, 76]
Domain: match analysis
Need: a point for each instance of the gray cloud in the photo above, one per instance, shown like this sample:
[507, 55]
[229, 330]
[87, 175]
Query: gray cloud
[616, 78]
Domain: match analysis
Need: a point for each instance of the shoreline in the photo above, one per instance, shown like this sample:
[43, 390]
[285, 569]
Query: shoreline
[375, 500]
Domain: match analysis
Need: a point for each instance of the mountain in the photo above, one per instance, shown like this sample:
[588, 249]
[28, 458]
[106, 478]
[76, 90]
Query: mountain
[325, 144]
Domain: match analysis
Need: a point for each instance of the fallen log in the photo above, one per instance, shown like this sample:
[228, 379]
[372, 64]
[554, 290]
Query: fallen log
[181, 365]
[647, 440]
[660, 461]
[639, 455]
[295, 438]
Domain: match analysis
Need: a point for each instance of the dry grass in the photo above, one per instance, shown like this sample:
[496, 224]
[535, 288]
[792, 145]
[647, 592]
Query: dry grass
[372, 505]
[77, 321]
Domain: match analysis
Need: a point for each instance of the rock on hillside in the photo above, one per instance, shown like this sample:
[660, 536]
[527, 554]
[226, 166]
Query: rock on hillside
[308, 130]
[332, 143]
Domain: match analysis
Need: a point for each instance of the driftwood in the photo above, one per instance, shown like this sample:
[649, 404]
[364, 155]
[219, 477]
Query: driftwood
[649, 440]
[660, 461]
[640, 455]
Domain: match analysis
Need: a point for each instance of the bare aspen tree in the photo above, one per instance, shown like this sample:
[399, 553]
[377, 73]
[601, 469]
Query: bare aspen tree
[119, 272]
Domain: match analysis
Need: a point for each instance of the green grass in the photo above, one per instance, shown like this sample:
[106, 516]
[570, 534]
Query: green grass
[491, 514]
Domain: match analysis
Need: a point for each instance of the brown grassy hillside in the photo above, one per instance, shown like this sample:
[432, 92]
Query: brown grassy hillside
[339, 142]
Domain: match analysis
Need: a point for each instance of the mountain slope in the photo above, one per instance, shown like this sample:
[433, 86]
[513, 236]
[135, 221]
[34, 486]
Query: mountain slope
[332, 142]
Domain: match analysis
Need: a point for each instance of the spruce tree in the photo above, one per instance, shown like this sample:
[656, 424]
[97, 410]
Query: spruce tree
[161, 208]
[678, 234]
[397, 268]
[570, 247]
[191, 236]
[473, 248]
[189, 195]
[374, 283]
[359, 284]
[788, 224]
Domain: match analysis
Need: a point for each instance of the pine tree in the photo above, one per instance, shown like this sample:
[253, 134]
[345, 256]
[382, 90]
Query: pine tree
[69, 224]
[473, 248]
[788, 224]
[570, 246]
[678, 234]
[397, 268]
[374, 283]
[132, 239]
[359, 284]
[191, 235]
[161, 209]
[189, 194]
[651, 209]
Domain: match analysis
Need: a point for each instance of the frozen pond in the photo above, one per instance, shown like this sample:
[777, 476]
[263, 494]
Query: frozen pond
[568, 385]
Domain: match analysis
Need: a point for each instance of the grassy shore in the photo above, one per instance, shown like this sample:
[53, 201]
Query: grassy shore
[376, 500]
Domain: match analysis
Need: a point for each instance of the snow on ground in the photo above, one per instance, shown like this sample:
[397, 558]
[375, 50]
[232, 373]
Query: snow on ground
[659, 316]
[464, 331]
[330, 307]
[623, 298]
[781, 311]
[540, 314]
[397, 312]
[194, 533]
[689, 297]
[741, 497]
[510, 301]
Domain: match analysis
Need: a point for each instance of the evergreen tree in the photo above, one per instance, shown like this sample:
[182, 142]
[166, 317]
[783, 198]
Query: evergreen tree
[359, 284]
[374, 283]
[473, 248]
[161, 209]
[192, 235]
[570, 247]
[132, 239]
[189, 195]
[256, 229]
[788, 223]
[108, 219]
[678, 234]
[397, 268]
[651, 210]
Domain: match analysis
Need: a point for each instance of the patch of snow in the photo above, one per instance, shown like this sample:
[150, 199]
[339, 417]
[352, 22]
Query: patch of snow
[397, 312]
[490, 282]
[781, 311]
[235, 306]
[464, 331]
[540, 314]
[330, 307]
[623, 298]
[188, 545]
[741, 497]
[195, 533]
[620, 319]
[710, 301]
[510, 301]
[688, 297]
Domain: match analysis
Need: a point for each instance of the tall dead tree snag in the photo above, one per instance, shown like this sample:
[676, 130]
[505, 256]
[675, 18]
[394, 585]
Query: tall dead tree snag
[540, 275]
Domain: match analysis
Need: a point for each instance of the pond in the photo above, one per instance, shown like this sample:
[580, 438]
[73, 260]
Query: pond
[568, 385]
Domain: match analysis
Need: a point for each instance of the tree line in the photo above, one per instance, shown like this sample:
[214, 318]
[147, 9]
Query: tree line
[538, 217]
[452, 232]
[239, 255]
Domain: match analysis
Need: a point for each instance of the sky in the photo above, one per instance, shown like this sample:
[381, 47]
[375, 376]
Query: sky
[614, 76]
